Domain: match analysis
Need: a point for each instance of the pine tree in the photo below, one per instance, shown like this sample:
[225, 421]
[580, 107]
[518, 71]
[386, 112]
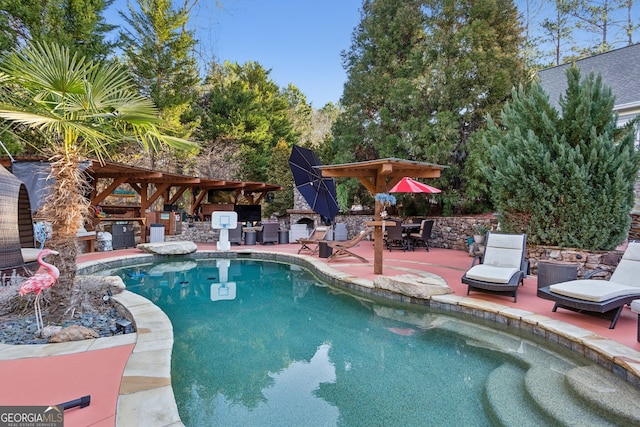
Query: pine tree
[566, 179]
[159, 52]
[76, 24]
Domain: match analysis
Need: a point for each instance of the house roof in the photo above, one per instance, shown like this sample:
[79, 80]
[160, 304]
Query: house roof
[619, 70]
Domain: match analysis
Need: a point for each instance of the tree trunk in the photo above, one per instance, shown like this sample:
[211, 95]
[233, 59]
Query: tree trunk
[66, 208]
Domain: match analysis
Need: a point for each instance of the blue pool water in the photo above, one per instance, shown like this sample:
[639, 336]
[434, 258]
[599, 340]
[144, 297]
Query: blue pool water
[259, 343]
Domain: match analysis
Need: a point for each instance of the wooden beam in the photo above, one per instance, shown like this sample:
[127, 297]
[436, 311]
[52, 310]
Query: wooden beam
[99, 198]
[179, 192]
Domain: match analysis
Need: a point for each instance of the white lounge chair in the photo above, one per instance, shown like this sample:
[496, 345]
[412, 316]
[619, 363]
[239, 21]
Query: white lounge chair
[602, 298]
[503, 266]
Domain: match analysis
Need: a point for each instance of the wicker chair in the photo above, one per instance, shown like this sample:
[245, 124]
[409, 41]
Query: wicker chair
[268, 233]
[422, 238]
[17, 227]
[394, 238]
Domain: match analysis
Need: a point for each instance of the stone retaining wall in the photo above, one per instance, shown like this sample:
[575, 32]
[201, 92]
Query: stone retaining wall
[448, 233]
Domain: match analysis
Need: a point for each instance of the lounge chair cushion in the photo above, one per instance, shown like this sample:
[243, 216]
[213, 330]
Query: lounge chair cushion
[491, 273]
[593, 290]
[626, 272]
[635, 306]
[504, 250]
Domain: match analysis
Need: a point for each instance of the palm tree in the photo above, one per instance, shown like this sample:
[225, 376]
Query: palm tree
[79, 108]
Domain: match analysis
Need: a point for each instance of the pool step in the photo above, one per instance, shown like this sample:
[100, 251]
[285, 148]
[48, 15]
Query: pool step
[507, 401]
[547, 387]
[612, 396]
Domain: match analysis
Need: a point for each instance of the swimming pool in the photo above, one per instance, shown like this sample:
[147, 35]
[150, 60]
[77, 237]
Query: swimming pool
[261, 343]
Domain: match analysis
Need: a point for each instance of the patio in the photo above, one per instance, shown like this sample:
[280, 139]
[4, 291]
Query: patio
[128, 377]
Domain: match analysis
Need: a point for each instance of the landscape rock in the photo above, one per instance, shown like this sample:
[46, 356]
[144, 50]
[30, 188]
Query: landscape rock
[50, 330]
[414, 286]
[169, 248]
[74, 333]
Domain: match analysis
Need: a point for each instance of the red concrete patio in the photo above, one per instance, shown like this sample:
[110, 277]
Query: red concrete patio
[53, 380]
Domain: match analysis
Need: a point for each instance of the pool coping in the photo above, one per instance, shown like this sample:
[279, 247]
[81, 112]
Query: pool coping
[146, 395]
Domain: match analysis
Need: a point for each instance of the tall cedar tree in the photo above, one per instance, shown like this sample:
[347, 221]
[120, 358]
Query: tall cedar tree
[422, 75]
[566, 179]
[159, 52]
[474, 57]
[384, 110]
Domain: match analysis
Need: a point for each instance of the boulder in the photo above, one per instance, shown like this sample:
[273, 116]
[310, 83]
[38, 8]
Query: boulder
[50, 330]
[423, 287]
[168, 248]
[73, 333]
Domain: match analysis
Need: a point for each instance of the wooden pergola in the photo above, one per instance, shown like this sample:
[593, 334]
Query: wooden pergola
[151, 185]
[378, 176]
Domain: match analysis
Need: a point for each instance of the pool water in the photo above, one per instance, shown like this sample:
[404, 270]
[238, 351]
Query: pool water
[260, 343]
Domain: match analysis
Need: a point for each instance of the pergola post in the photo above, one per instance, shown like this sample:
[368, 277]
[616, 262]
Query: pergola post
[378, 176]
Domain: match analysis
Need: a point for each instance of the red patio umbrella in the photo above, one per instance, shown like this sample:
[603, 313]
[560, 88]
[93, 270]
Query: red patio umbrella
[408, 185]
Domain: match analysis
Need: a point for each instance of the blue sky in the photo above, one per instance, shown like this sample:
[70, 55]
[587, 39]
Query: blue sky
[298, 40]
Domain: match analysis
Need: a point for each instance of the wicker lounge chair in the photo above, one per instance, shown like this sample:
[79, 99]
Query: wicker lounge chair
[602, 298]
[503, 266]
[318, 234]
[341, 249]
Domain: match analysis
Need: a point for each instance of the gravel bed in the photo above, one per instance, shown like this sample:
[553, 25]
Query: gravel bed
[23, 330]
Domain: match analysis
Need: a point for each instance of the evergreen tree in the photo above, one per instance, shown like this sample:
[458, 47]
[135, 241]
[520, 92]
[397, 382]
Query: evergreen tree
[76, 24]
[384, 114]
[566, 179]
[280, 173]
[422, 75]
[474, 58]
[159, 52]
[244, 115]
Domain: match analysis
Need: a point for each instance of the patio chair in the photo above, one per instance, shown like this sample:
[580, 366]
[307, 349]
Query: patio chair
[602, 298]
[318, 234]
[422, 237]
[503, 266]
[341, 249]
[394, 238]
[235, 234]
[268, 233]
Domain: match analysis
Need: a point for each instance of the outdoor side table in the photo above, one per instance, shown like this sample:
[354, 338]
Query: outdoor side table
[250, 237]
[283, 237]
[552, 272]
[324, 250]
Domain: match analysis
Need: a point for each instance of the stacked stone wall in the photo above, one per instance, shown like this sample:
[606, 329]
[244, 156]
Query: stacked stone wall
[448, 233]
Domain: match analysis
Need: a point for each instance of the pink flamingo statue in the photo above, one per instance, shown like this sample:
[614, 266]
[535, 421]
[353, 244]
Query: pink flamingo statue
[45, 277]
